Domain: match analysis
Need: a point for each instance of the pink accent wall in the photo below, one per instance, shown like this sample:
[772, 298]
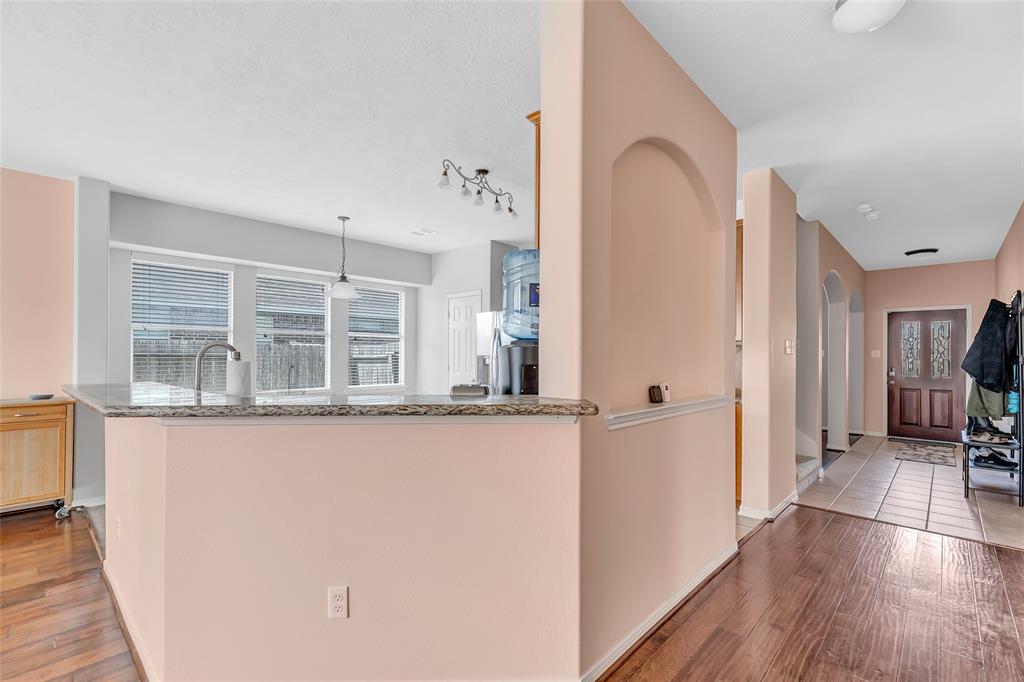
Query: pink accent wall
[459, 542]
[832, 256]
[769, 319]
[657, 498]
[1010, 260]
[662, 274]
[37, 223]
[954, 284]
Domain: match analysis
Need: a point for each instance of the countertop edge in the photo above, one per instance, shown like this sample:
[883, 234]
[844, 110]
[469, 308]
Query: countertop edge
[576, 408]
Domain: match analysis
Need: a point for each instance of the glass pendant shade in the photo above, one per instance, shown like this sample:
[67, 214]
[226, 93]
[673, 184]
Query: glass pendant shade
[344, 289]
[497, 206]
[479, 201]
[465, 193]
[444, 181]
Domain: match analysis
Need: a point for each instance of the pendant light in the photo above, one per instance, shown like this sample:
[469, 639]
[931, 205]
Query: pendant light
[342, 288]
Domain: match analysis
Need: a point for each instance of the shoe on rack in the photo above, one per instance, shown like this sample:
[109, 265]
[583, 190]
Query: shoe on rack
[988, 437]
[1006, 460]
[987, 459]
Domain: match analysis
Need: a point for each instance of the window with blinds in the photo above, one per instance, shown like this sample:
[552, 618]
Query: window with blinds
[175, 311]
[291, 334]
[376, 330]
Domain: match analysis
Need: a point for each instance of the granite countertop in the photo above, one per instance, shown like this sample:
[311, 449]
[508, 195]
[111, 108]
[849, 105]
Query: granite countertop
[149, 399]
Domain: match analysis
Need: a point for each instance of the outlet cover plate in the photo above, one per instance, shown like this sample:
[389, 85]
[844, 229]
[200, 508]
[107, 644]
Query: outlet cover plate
[337, 602]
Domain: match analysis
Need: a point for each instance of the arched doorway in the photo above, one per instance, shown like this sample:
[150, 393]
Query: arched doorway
[834, 365]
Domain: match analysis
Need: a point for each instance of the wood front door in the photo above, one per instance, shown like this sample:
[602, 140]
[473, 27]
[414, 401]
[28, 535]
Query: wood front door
[926, 386]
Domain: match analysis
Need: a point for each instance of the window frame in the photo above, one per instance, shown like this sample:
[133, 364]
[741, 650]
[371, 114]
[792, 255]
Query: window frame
[184, 263]
[269, 274]
[403, 314]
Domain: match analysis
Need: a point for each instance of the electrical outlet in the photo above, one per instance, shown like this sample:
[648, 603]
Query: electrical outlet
[337, 602]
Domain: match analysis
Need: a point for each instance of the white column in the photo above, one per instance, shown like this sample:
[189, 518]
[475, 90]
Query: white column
[838, 396]
[92, 247]
[119, 317]
[243, 314]
[91, 277]
[338, 357]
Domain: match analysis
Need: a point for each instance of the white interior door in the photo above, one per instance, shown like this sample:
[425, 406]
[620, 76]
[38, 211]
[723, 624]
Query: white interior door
[462, 310]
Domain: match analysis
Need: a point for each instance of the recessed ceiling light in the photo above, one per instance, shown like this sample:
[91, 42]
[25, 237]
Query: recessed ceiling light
[871, 216]
[921, 254]
[864, 16]
[864, 208]
[423, 232]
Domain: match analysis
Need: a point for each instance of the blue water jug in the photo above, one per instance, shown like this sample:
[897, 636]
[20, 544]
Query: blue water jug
[521, 280]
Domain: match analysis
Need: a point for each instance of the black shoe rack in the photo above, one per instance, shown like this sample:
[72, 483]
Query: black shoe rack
[1011, 450]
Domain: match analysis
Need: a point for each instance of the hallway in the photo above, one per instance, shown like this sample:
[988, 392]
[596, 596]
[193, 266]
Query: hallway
[869, 481]
[820, 596]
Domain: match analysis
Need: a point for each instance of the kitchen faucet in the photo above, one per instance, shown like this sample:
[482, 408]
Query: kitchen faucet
[235, 355]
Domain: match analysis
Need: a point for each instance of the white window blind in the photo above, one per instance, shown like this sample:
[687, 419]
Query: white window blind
[291, 334]
[376, 329]
[175, 310]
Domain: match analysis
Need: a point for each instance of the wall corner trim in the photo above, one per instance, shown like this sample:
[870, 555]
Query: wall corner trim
[772, 513]
[657, 412]
[671, 603]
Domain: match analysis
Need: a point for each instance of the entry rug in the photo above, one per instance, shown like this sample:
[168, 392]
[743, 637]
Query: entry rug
[928, 453]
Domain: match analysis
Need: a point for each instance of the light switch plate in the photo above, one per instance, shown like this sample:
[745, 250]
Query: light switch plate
[876, 353]
[789, 346]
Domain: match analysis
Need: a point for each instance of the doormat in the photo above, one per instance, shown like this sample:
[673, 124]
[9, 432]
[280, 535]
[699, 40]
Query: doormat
[928, 453]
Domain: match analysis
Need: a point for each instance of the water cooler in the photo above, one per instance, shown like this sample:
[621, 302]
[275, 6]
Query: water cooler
[508, 339]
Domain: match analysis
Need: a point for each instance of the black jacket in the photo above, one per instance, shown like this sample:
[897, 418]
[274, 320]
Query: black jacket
[988, 359]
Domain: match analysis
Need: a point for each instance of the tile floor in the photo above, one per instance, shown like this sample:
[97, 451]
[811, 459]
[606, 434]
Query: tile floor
[869, 481]
[744, 525]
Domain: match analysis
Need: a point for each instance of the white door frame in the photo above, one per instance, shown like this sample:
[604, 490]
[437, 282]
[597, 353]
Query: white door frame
[885, 351]
[479, 293]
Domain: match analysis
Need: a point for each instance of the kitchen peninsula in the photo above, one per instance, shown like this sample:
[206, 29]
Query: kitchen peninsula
[454, 524]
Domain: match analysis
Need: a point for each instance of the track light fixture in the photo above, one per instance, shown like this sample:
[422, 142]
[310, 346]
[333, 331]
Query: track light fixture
[480, 182]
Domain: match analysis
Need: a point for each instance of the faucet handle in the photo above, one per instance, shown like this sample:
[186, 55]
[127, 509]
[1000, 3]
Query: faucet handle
[235, 355]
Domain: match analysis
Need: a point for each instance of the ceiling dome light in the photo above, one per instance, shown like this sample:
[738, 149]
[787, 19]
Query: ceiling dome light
[873, 216]
[920, 254]
[864, 16]
[864, 208]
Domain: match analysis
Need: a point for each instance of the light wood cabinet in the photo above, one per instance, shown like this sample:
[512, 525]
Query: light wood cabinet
[36, 452]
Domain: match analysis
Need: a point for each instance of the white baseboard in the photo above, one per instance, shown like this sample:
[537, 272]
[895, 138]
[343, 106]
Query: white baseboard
[89, 501]
[755, 513]
[632, 638]
[875, 433]
[133, 631]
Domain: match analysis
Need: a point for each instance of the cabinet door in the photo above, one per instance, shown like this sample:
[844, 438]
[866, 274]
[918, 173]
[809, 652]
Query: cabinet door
[31, 461]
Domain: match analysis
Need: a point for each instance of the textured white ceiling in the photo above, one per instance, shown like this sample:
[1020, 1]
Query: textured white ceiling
[289, 112]
[923, 119]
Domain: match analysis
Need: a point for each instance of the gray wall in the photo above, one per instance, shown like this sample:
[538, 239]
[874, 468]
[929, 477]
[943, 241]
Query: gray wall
[472, 268]
[159, 226]
[92, 223]
[808, 295]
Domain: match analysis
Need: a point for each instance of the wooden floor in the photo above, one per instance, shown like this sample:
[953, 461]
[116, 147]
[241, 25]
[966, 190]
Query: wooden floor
[57, 620]
[823, 596]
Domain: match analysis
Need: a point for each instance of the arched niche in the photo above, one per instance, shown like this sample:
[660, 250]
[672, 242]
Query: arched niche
[665, 322]
[855, 364]
[834, 366]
